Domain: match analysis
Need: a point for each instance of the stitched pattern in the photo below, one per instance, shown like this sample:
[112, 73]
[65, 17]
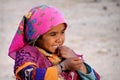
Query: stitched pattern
[23, 56]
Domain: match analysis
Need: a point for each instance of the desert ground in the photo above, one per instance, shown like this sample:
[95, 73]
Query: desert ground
[93, 30]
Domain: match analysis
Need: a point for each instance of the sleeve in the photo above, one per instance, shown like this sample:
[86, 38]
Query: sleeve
[26, 69]
[91, 75]
[31, 73]
[22, 60]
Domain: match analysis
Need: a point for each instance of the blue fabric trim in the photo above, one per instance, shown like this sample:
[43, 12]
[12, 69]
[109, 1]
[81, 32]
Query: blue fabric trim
[89, 76]
[29, 76]
[40, 73]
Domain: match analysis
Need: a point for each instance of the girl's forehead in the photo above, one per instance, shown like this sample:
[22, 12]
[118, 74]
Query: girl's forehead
[58, 27]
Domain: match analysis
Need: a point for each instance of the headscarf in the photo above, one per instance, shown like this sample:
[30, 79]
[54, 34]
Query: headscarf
[36, 22]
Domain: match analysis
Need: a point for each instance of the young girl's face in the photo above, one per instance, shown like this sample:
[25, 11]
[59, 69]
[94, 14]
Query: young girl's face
[53, 39]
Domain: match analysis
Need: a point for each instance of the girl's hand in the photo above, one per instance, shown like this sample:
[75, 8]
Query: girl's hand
[66, 52]
[74, 63]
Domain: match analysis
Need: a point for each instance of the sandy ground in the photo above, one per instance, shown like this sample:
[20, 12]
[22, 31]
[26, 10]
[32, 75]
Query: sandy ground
[93, 31]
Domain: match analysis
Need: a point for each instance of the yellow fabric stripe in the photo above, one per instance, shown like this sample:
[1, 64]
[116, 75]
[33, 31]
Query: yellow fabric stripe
[43, 52]
[51, 74]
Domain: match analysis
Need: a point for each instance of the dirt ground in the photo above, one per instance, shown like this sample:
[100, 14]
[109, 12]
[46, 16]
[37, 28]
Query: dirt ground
[94, 29]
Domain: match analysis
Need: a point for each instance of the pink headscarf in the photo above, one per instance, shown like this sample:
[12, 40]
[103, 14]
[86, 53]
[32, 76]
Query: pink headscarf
[36, 22]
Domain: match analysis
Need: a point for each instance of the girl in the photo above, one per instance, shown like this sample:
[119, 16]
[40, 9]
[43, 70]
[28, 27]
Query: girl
[38, 50]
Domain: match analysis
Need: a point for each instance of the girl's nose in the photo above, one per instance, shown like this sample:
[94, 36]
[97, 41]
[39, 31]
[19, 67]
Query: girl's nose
[59, 40]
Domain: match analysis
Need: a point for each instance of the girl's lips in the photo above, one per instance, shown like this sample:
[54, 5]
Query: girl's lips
[56, 46]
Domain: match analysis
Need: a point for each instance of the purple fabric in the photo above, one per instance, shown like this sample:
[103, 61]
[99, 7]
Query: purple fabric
[31, 54]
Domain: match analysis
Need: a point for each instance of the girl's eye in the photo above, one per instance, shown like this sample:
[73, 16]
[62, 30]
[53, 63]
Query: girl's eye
[53, 34]
[63, 32]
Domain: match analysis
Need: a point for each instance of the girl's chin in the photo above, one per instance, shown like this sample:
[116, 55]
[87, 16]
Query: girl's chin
[51, 51]
[54, 51]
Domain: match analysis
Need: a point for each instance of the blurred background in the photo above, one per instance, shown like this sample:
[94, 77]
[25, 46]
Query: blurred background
[94, 29]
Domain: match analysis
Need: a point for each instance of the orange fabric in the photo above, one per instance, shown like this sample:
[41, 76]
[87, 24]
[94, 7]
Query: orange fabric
[51, 73]
[54, 59]
[23, 66]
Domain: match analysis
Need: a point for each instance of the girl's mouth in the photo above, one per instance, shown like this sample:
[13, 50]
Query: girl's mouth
[57, 50]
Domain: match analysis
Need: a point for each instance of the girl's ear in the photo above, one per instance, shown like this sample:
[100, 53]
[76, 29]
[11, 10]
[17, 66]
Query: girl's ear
[37, 41]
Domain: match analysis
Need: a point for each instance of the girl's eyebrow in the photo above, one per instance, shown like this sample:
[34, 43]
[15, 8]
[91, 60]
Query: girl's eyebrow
[56, 31]
[53, 32]
[64, 29]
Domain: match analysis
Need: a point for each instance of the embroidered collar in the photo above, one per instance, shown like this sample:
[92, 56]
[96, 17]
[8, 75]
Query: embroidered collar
[53, 58]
